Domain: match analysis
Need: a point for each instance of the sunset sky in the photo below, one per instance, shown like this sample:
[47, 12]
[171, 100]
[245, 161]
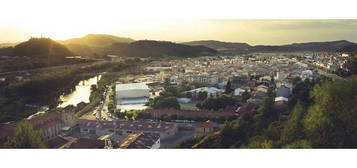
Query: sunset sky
[68, 19]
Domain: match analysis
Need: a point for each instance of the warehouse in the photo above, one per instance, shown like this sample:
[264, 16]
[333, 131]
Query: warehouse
[132, 90]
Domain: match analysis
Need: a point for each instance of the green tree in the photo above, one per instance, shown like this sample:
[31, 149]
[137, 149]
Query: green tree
[25, 137]
[293, 129]
[332, 120]
[202, 95]
[229, 87]
[164, 103]
[245, 96]
[351, 64]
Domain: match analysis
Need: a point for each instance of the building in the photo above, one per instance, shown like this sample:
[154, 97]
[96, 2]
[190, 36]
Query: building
[141, 141]
[203, 79]
[281, 100]
[132, 90]
[85, 143]
[158, 68]
[132, 93]
[228, 112]
[238, 91]
[203, 128]
[211, 91]
[49, 124]
[124, 127]
[283, 91]
[281, 76]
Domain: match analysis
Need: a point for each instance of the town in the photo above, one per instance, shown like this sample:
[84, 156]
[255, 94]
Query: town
[168, 102]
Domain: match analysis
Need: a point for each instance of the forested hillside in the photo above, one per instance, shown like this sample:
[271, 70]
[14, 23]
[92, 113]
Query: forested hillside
[321, 114]
[150, 48]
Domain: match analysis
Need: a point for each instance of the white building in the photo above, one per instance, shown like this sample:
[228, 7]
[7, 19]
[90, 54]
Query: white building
[281, 76]
[132, 90]
[238, 92]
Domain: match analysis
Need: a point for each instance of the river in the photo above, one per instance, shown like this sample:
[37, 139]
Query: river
[80, 94]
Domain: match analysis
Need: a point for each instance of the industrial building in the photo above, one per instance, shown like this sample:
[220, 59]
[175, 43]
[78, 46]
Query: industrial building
[132, 90]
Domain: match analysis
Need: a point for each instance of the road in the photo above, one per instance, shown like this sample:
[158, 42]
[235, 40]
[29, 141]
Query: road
[104, 110]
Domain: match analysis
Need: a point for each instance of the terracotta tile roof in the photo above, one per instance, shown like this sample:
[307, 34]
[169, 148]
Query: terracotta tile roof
[228, 112]
[56, 142]
[139, 141]
[145, 126]
[45, 121]
[85, 143]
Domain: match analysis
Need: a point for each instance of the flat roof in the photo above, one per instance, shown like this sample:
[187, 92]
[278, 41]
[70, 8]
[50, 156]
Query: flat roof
[131, 86]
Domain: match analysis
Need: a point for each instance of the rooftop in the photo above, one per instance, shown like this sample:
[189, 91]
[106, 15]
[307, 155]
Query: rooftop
[131, 86]
[139, 141]
[144, 126]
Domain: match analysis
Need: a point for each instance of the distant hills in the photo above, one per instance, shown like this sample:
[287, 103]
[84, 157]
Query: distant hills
[150, 48]
[222, 46]
[330, 46]
[100, 45]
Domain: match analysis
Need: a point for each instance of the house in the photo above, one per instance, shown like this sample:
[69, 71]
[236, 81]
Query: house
[262, 88]
[281, 76]
[203, 128]
[238, 81]
[140, 141]
[238, 91]
[211, 91]
[281, 100]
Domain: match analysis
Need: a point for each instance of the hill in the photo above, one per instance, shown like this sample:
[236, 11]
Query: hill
[93, 45]
[330, 46]
[222, 46]
[41, 48]
[350, 48]
[6, 51]
[97, 40]
[149, 48]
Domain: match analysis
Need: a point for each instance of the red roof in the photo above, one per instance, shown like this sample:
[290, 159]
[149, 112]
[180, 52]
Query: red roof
[85, 143]
[46, 120]
[228, 112]
[145, 126]
[56, 142]
[247, 107]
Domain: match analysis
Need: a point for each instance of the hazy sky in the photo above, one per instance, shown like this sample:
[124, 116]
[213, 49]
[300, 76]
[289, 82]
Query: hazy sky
[68, 19]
